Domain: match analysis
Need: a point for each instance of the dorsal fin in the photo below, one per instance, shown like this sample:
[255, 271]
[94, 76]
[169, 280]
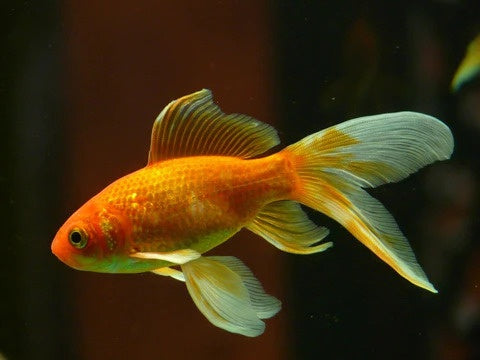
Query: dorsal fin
[193, 125]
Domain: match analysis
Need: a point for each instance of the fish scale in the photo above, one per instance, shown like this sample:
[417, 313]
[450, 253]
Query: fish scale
[178, 203]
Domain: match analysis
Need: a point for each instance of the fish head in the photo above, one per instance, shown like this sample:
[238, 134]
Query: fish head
[90, 239]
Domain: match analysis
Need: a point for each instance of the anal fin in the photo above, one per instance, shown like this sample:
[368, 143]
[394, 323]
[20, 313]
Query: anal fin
[229, 295]
[287, 227]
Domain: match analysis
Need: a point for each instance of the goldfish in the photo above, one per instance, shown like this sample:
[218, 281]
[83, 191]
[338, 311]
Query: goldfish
[205, 180]
[469, 67]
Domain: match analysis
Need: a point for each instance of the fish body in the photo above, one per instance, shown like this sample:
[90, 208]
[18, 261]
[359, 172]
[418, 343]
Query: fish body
[204, 182]
[192, 202]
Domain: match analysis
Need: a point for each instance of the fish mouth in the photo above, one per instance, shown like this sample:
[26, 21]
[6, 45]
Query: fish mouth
[76, 261]
[66, 254]
[58, 250]
[65, 257]
[71, 257]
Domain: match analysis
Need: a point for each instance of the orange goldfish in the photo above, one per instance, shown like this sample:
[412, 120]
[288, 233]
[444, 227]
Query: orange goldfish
[204, 182]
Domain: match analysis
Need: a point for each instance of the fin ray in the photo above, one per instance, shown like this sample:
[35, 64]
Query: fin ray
[377, 149]
[335, 164]
[264, 305]
[193, 125]
[287, 227]
[228, 294]
[367, 219]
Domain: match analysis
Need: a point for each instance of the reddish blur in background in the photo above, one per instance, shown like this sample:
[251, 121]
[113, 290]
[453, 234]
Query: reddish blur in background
[82, 83]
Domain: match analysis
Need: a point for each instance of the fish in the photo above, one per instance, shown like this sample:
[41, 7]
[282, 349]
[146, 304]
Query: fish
[206, 179]
[469, 67]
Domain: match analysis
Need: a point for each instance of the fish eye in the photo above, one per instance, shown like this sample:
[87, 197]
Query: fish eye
[78, 238]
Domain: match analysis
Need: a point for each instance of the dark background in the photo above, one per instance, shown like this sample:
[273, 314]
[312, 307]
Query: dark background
[80, 85]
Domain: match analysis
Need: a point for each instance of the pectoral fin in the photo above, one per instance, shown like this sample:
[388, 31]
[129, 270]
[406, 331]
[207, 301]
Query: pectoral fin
[176, 257]
[229, 295]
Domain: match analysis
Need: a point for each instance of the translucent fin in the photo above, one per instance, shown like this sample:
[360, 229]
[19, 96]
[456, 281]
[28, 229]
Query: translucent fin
[373, 150]
[335, 163]
[228, 294]
[264, 305]
[371, 223]
[193, 125]
[176, 257]
[167, 271]
[285, 225]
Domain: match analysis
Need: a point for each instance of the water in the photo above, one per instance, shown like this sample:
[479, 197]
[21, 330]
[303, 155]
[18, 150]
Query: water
[81, 86]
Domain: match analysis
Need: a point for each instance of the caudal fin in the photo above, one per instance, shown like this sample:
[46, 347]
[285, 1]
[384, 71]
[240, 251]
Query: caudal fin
[334, 165]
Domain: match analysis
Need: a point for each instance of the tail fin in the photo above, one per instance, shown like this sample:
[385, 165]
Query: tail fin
[334, 165]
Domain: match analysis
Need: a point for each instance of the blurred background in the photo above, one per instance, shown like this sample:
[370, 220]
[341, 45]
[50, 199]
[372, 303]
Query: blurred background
[80, 85]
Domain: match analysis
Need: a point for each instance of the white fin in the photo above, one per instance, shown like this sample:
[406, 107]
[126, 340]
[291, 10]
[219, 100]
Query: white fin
[378, 149]
[335, 164]
[193, 125]
[287, 227]
[176, 257]
[264, 305]
[229, 295]
[167, 271]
